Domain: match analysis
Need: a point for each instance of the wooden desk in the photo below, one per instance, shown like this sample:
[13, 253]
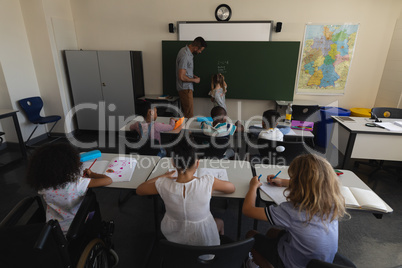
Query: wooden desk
[355, 140]
[239, 173]
[13, 113]
[348, 178]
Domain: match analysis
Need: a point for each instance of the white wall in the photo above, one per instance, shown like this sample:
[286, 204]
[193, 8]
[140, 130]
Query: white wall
[142, 25]
[390, 91]
[18, 73]
[50, 30]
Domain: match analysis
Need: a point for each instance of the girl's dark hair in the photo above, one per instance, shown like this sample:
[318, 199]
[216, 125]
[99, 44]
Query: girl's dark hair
[184, 155]
[270, 117]
[143, 106]
[53, 165]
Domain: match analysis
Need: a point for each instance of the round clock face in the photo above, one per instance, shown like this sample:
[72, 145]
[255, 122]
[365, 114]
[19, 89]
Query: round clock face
[223, 12]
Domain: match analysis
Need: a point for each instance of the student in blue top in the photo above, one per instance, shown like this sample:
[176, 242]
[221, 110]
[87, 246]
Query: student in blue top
[309, 217]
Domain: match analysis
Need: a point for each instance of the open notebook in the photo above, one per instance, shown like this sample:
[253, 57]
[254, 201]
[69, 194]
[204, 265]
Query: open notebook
[276, 193]
[118, 169]
[357, 198]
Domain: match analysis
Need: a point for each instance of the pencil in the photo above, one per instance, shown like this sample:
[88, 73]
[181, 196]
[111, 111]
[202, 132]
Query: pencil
[259, 177]
[90, 167]
[276, 174]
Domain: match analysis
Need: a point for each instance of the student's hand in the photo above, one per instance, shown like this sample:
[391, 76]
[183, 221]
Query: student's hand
[277, 181]
[255, 183]
[174, 119]
[87, 173]
[239, 126]
[169, 175]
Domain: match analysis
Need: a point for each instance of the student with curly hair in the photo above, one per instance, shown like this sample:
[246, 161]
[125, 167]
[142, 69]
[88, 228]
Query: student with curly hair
[309, 217]
[54, 170]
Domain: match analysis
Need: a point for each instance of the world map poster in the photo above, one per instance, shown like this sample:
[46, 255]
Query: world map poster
[327, 55]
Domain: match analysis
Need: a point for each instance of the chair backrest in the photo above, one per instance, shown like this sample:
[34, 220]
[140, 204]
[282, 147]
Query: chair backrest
[211, 146]
[86, 226]
[280, 152]
[387, 112]
[228, 255]
[32, 107]
[306, 112]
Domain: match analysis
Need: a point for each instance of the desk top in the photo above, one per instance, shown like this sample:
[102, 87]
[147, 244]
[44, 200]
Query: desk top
[160, 119]
[6, 112]
[156, 97]
[348, 178]
[144, 167]
[193, 125]
[239, 173]
[291, 133]
[357, 124]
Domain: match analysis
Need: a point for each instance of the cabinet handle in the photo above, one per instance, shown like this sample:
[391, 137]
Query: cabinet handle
[103, 84]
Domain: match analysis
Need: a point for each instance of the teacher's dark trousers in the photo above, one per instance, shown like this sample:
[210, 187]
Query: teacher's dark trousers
[186, 99]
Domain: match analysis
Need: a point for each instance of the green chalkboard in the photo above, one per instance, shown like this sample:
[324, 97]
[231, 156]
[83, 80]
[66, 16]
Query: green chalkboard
[252, 70]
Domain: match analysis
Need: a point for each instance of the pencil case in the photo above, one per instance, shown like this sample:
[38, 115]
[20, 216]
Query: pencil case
[202, 119]
[90, 155]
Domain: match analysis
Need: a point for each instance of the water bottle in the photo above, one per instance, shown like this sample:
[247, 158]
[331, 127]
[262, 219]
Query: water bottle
[289, 111]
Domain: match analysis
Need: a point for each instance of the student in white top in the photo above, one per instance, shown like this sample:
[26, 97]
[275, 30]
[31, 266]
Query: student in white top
[269, 123]
[218, 90]
[54, 170]
[188, 219]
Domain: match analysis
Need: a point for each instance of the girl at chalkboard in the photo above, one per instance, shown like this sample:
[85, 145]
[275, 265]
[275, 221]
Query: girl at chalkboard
[218, 90]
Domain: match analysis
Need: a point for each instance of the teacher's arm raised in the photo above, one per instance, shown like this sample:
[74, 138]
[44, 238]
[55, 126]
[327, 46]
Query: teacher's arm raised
[183, 77]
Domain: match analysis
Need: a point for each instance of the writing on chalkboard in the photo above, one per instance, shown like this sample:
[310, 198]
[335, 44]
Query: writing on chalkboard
[222, 66]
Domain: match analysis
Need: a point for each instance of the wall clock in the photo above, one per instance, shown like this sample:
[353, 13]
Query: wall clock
[223, 13]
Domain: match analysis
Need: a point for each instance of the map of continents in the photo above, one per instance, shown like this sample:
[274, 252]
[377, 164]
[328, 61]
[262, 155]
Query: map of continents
[327, 54]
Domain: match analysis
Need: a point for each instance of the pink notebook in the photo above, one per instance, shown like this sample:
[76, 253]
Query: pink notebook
[302, 125]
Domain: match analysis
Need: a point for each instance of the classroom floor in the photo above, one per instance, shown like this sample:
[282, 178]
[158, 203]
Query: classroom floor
[365, 240]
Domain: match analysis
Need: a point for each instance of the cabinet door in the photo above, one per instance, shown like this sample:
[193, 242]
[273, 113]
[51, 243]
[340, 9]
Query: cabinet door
[117, 84]
[85, 85]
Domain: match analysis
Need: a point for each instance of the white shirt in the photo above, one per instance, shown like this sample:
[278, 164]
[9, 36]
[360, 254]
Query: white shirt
[188, 219]
[63, 203]
[273, 134]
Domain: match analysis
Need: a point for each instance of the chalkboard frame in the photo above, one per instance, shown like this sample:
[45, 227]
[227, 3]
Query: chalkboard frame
[256, 70]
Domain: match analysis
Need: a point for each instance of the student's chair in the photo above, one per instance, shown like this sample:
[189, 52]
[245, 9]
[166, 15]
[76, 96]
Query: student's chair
[32, 107]
[339, 262]
[227, 255]
[211, 146]
[308, 113]
[382, 112]
[280, 152]
[28, 241]
[386, 112]
[1, 139]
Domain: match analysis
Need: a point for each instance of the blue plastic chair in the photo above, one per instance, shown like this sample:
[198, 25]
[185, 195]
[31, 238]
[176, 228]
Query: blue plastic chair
[32, 107]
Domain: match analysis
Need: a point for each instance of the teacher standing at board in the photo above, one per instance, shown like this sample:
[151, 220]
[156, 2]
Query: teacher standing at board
[185, 74]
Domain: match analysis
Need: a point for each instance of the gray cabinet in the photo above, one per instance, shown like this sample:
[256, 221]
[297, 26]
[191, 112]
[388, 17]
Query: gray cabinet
[104, 86]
